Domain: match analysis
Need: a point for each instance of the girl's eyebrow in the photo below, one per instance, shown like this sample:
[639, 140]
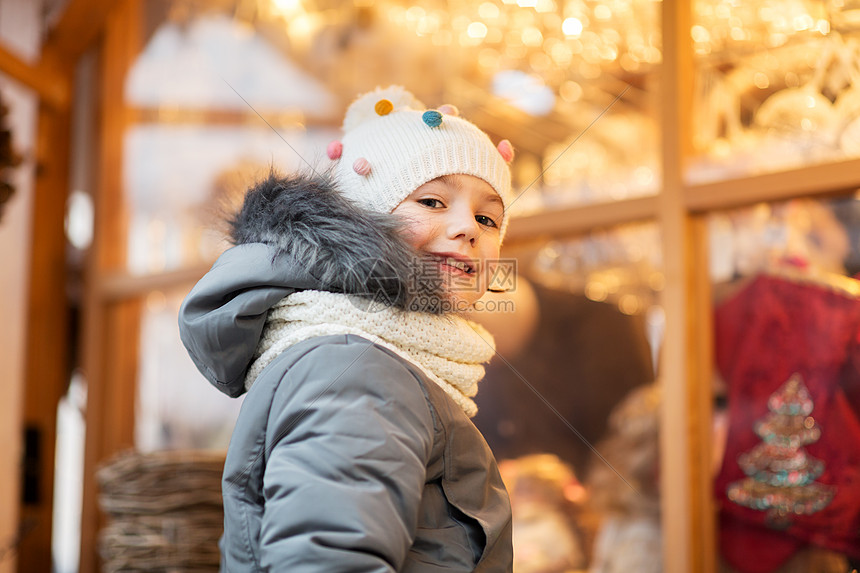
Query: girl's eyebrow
[488, 196]
[494, 198]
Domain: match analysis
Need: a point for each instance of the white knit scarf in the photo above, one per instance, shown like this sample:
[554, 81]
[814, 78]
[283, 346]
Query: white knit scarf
[449, 349]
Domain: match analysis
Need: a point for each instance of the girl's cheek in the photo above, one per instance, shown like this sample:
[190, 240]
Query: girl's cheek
[423, 231]
[419, 234]
[412, 227]
[413, 238]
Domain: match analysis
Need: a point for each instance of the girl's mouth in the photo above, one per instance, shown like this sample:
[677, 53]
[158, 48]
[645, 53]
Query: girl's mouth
[458, 265]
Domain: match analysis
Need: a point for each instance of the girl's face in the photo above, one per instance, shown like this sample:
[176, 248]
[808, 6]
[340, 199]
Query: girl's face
[454, 222]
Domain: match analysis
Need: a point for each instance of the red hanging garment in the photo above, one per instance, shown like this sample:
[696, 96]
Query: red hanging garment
[774, 328]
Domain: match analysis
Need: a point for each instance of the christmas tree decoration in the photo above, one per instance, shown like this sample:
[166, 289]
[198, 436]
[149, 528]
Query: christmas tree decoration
[781, 474]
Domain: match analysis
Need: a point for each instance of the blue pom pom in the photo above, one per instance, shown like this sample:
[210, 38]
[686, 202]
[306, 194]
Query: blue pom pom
[432, 118]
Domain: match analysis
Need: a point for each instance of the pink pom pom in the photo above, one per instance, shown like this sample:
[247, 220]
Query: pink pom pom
[334, 149]
[506, 150]
[448, 109]
[361, 166]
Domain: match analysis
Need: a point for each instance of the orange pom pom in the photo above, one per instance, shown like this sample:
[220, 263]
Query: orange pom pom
[383, 107]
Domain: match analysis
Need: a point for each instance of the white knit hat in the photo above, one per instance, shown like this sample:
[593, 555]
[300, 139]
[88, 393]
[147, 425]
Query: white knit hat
[392, 145]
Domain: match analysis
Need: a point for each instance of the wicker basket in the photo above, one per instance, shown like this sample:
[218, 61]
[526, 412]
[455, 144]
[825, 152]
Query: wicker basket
[165, 511]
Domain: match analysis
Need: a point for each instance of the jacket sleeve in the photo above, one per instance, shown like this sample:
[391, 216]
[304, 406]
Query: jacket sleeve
[348, 439]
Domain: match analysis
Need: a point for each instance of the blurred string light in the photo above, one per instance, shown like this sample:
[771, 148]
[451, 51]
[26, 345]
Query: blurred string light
[562, 60]
[525, 91]
[620, 267]
[286, 7]
[556, 42]
[776, 84]
[723, 25]
[572, 27]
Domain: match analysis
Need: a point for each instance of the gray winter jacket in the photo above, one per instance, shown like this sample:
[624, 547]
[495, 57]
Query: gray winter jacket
[345, 457]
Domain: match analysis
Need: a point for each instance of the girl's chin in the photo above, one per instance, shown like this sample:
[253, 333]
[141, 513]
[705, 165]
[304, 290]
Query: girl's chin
[463, 303]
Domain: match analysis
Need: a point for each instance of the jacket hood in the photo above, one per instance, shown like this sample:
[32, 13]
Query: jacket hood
[294, 233]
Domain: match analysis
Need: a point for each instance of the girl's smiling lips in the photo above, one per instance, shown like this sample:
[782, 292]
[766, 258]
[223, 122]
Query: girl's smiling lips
[459, 263]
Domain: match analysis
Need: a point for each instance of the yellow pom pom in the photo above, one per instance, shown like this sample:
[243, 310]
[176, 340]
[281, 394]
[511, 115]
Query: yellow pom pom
[383, 107]
[364, 107]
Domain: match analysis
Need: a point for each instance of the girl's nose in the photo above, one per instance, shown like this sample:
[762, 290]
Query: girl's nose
[463, 225]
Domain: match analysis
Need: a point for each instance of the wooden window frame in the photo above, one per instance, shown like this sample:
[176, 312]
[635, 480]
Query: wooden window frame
[113, 298]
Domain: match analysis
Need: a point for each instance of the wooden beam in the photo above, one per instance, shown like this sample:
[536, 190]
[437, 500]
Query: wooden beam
[111, 362]
[117, 286]
[52, 86]
[77, 29]
[700, 375]
[575, 220]
[110, 330]
[244, 118]
[823, 179]
[94, 340]
[47, 350]
[680, 531]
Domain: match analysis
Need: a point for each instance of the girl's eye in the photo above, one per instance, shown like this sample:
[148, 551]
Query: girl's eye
[486, 221]
[429, 202]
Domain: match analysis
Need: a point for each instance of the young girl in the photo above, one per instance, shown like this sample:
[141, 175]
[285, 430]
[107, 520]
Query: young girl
[336, 311]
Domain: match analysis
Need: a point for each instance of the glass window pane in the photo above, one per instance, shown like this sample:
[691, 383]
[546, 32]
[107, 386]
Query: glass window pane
[786, 385]
[22, 28]
[569, 404]
[569, 85]
[776, 86]
[182, 180]
[174, 409]
[215, 62]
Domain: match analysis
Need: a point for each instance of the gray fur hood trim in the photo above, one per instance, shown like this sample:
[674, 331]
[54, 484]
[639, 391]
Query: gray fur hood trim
[347, 248]
[294, 233]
